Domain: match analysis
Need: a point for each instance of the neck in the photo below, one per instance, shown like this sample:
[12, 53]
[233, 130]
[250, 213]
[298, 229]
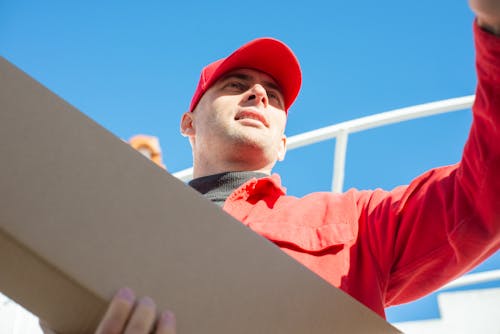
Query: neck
[200, 172]
[204, 168]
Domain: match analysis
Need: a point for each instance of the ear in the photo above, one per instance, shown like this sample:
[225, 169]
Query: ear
[282, 149]
[187, 127]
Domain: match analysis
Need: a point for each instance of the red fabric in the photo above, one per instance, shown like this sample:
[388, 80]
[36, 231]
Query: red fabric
[391, 247]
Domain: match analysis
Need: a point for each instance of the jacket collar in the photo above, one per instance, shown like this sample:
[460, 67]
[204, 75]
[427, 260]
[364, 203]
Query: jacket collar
[255, 186]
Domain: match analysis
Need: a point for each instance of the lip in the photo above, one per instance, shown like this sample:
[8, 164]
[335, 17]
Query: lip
[251, 115]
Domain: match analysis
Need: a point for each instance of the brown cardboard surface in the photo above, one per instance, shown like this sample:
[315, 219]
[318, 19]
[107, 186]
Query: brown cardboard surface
[83, 214]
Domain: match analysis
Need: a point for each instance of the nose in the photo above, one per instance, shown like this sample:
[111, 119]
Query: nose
[259, 94]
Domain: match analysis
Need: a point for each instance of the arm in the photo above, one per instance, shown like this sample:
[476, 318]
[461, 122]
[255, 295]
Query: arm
[448, 220]
[488, 14]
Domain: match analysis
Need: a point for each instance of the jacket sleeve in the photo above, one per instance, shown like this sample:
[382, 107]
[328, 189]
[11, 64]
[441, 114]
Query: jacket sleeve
[447, 220]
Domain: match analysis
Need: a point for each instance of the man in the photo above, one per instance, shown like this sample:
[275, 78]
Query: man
[383, 248]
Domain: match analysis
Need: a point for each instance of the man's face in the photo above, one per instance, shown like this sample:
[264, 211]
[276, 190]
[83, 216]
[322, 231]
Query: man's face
[240, 117]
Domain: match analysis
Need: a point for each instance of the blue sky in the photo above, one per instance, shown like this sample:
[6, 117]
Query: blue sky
[133, 67]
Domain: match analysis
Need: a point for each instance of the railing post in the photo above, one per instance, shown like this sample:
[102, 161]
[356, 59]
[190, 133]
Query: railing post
[339, 161]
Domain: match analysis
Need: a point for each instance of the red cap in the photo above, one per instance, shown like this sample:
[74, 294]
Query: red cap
[263, 54]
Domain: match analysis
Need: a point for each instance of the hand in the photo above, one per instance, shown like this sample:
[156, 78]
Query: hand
[126, 314]
[488, 14]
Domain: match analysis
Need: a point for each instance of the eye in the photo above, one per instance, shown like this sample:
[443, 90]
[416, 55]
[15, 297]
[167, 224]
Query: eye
[272, 95]
[235, 86]
[275, 96]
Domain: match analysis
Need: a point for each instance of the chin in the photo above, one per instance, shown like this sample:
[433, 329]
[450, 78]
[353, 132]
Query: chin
[254, 158]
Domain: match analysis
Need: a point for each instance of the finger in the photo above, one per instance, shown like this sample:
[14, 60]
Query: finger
[143, 317]
[118, 312]
[166, 323]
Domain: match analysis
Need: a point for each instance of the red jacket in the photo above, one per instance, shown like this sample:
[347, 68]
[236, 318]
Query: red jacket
[390, 247]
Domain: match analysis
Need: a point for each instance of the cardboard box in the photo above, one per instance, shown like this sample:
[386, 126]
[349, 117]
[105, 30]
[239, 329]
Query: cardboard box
[83, 214]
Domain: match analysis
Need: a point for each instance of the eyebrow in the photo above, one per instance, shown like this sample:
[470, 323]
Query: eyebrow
[246, 77]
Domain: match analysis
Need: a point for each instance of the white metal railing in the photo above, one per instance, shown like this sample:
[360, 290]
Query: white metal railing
[341, 131]
[476, 278]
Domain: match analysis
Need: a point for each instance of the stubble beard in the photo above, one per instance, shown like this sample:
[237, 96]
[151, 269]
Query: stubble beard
[248, 147]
